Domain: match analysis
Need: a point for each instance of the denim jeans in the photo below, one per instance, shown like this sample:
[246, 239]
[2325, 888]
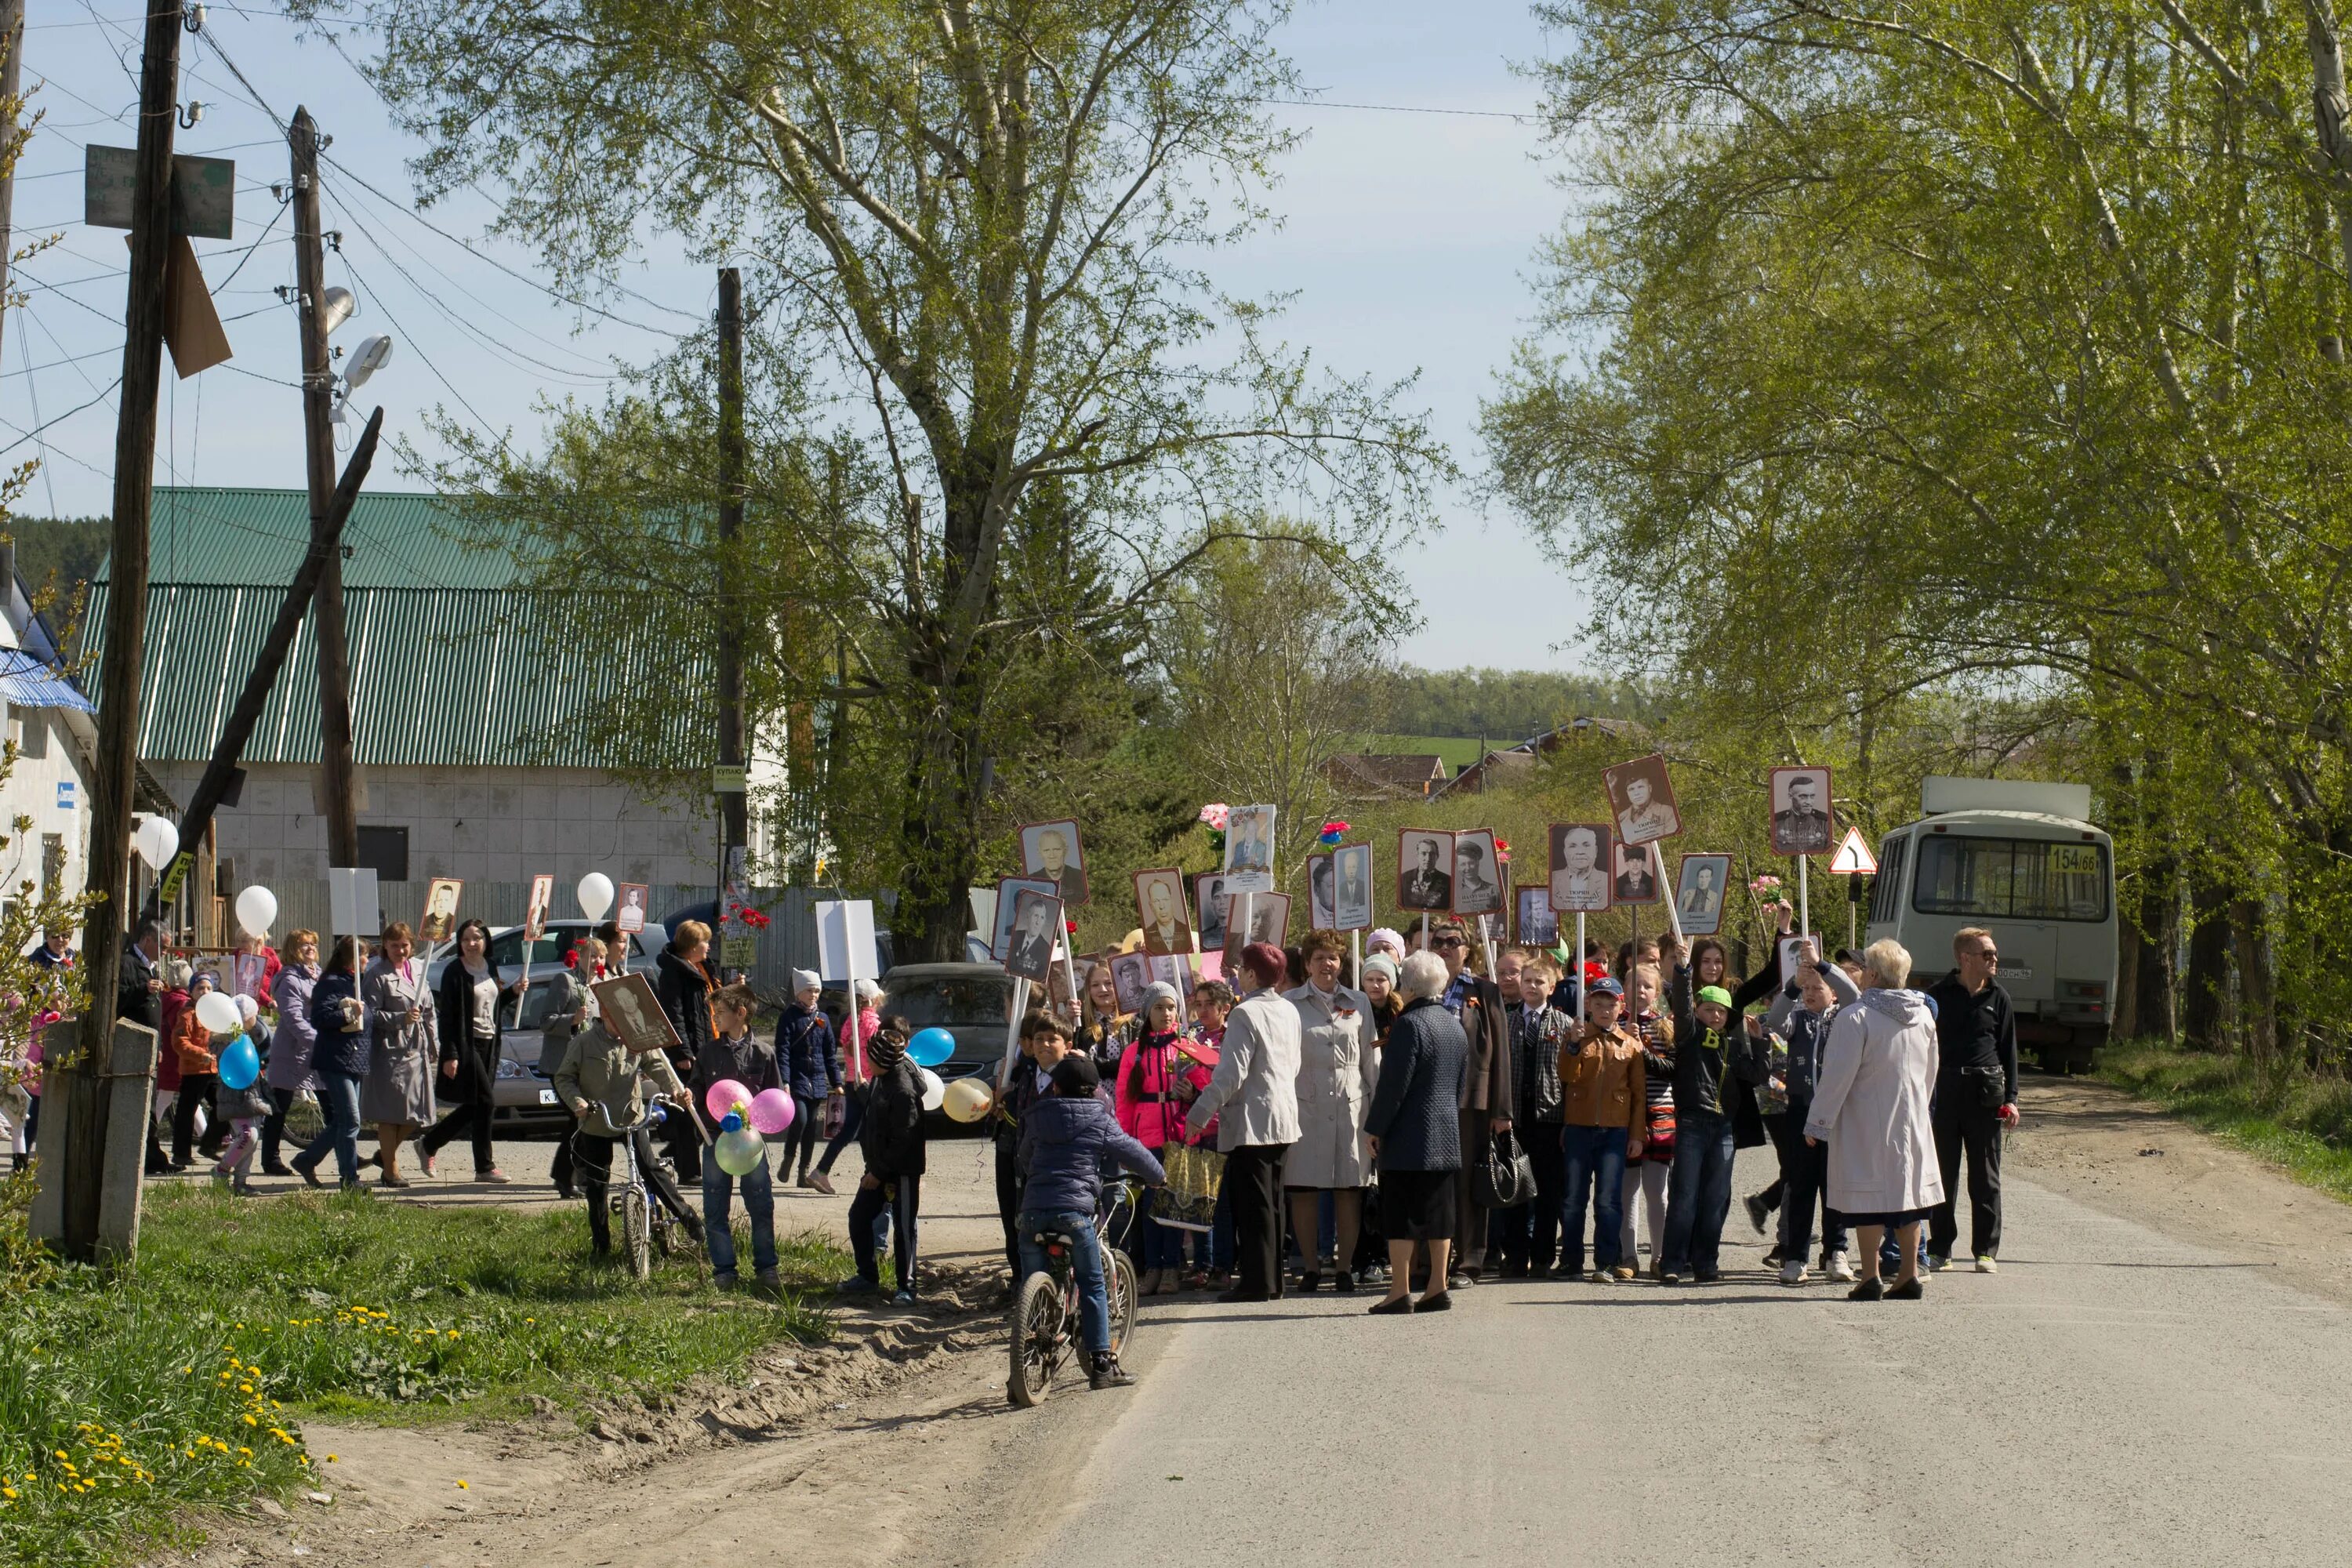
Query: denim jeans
[1086, 1266]
[1594, 1161]
[1699, 1192]
[339, 1101]
[759, 1202]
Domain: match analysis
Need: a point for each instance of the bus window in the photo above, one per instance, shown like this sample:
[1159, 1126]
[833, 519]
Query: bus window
[1886, 888]
[2012, 879]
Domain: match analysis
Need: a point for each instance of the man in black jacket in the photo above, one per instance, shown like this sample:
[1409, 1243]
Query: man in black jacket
[1976, 1095]
[139, 999]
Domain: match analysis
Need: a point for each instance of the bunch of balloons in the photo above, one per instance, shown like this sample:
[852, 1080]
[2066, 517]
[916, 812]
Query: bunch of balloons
[930, 1047]
[744, 1119]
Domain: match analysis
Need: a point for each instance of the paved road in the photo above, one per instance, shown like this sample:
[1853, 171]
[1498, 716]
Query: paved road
[2112, 1396]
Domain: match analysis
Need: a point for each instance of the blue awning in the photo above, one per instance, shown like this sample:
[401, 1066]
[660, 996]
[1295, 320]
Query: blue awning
[29, 681]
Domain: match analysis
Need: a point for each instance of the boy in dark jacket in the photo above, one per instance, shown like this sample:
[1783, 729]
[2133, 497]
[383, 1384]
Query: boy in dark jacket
[734, 1052]
[1064, 1138]
[892, 1142]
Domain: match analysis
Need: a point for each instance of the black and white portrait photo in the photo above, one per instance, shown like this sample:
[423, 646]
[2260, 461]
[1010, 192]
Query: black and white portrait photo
[1130, 975]
[1643, 799]
[1800, 811]
[1159, 910]
[1635, 877]
[1036, 931]
[1000, 945]
[1321, 877]
[1351, 900]
[1699, 882]
[632, 1012]
[1269, 921]
[1424, 870]
[1538, 924]
[1249, 849]
[1477, 874]
[1579, 866]
[1208, 899]
[1050, 850]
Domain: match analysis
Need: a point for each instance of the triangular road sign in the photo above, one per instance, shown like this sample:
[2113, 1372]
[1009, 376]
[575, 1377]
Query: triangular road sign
[1852, 857]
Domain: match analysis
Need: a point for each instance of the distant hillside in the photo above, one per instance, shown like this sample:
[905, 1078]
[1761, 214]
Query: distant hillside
[72, 548]
[1507, 706]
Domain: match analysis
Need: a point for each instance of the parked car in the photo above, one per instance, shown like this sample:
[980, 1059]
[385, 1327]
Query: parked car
[969, 1001]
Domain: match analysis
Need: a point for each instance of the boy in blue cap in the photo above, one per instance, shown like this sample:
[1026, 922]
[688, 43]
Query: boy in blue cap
[1604, 1113]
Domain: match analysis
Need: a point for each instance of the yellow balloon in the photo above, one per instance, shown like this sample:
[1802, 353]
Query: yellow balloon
[968, 1100]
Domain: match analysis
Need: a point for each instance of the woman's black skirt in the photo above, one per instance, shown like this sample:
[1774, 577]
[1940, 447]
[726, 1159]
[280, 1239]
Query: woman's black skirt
[1418, 1205]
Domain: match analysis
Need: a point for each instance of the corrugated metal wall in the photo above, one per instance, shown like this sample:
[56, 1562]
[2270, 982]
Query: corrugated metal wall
[788, 943]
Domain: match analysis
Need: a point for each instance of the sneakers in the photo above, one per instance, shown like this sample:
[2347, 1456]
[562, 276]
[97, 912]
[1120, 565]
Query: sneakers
[902, 1297]
[1988, 1264]
[1793, 1273]
[494, 1176]
[1108, 1373]
[1841, 1268]
[858, 1285]
[1759, 1211]
[426, 1161]
[1150, 1284]
[821, 1182]
[1911, 1290]
[1670, 1276]
[1938, 1263]
[1601, 1276]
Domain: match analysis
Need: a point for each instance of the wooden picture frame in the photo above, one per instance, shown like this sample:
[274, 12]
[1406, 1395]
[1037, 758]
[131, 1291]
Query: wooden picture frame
[1656, 814]
[1070, 882]
[1158, 941]
[1795, 830]
[1579, 891]
[1424, 889]
[1478, 845]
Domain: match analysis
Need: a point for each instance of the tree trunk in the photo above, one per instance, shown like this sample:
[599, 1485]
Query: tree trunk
[2257, 991]
[2147, 1007]
[2209, 967]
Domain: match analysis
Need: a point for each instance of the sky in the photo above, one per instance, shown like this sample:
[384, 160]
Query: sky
[1407, 235]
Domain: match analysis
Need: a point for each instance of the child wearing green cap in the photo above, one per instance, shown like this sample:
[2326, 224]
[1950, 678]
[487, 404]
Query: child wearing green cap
[1714, 1060]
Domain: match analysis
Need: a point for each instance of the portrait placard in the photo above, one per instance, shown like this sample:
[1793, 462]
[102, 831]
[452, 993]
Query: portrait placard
[534, 918]
[1351, 895]
[1269, 921]
[1209, 898]
[440, 916]
[1643, 796]
[1051, 851]
[1792, 953]
[1000, 942]
[1478, 873]
[632, 917]
[1159, 910]
[1536, 923]
[1579, 864]
[1424, 870]
[632, 1012]
[1036, 935]
[1249, 849]
[1634, 876]
[1699, 884]
[1800, 811]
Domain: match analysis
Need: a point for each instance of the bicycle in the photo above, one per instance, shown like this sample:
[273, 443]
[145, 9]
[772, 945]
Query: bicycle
[1045, 1317]
[645, 1222]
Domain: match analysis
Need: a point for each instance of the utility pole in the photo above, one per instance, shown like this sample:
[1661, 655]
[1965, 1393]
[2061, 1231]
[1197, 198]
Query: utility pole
[734, 815]
[12, 38]
[116, 766]
[335, 760]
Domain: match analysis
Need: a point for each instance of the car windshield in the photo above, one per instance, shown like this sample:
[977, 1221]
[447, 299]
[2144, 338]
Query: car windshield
[952, 1003]
[2011, 879]
[542, 1002]
[506, 947]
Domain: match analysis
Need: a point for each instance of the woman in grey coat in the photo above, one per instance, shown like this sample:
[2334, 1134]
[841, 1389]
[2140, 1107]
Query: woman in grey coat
[1335, 1087]
[1416, 1132]
[398, 1094]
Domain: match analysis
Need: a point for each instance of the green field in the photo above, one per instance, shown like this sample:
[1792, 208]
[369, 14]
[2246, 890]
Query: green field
[1457, 751]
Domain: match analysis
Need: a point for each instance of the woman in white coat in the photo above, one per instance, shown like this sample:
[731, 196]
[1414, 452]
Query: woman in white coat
[1335, 1074]
[1870, 1106]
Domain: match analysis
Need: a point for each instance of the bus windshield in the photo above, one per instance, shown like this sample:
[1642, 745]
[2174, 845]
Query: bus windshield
[2011, 879]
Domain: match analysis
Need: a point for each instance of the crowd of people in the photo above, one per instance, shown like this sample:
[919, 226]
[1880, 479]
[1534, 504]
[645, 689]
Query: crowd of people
[1433, 1115]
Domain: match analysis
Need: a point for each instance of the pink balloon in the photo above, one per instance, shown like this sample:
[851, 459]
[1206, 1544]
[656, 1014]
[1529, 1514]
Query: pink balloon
[771, 1112]
[719, 1098]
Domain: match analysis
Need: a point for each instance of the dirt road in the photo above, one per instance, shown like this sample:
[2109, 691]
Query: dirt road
[2161, 1374]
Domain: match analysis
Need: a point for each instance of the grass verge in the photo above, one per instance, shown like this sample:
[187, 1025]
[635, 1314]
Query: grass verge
[125, 1402]
[2296, 1120]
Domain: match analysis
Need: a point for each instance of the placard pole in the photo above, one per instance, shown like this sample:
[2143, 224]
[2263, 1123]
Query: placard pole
[1012, 1034]
[1673, 915]
[1804, 897]
[1356, 955]
[1576, 963]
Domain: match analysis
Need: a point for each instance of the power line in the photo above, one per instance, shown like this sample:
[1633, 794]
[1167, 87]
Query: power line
[25, 435]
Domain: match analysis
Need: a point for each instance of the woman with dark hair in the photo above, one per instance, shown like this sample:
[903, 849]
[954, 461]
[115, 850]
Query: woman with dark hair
[339, 1024]
[684, 984]
[466, 1014]
[1254, 1096]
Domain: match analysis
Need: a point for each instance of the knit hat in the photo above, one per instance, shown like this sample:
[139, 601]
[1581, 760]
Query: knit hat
[1158, 991]
[1385, 937]
[1717, 994]
[868, 990]
[884, 1048]
[1385, 965]
[246, 1007]
[805, 980]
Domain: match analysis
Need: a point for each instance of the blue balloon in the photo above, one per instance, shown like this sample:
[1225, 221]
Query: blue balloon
[240, 1063]
[734, 1122]
[930, 1047]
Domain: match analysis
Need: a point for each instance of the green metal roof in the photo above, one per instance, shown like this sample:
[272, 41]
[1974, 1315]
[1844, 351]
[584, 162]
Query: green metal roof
[452, 663]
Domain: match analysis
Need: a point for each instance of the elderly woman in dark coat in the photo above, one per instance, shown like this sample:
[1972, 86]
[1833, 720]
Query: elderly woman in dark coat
[1416, 1132]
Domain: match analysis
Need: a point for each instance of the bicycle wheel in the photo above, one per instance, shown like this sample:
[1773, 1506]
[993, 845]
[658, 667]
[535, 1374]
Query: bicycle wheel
[637, 1232]
[1036, 1331]
[1118, 1283]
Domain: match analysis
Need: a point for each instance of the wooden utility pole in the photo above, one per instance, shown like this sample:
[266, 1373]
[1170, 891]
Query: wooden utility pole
[335, 760]
[116, 766]
[734, 814]
[326, 545]
[12, 103]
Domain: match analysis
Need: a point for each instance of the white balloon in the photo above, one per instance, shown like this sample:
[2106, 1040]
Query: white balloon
[215, 1012]
[256, 907]
[156, 840]
[596, 892]
[935, 1091]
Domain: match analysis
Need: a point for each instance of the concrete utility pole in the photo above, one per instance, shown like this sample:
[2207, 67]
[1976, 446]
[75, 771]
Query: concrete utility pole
[734, 814]
[335, 760]
[12, 38]
[85, 1102]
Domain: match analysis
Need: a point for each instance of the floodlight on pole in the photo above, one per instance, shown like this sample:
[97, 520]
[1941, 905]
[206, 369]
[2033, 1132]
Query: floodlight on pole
[339, 307]
[370, 356]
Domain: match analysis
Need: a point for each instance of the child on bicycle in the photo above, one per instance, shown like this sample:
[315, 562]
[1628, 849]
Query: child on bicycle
[1064, 1138]
[602, 1083]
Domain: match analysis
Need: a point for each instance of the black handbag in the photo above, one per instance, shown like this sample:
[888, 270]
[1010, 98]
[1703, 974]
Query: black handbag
[1988, 1085]
[1503, 1179]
